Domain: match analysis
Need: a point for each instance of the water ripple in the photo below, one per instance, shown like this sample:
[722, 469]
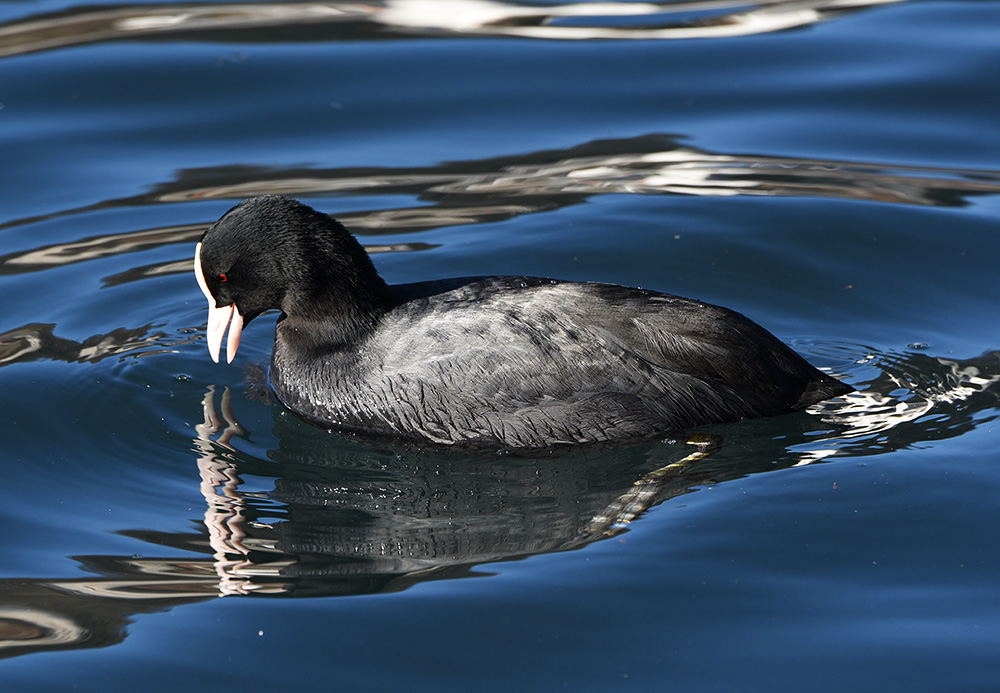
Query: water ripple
[497, 188]
[420, 18]
[905, 398]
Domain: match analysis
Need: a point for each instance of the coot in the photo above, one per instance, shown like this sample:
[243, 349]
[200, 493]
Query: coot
[499, 361]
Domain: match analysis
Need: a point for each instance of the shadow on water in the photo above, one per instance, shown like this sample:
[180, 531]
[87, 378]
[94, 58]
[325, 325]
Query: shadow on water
[401, 19]
[346, 516]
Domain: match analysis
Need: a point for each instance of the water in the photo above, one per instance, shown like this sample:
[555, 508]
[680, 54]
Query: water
[831, 172]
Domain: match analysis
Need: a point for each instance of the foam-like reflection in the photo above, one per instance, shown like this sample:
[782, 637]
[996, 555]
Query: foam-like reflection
[698, 19]
[911, 397]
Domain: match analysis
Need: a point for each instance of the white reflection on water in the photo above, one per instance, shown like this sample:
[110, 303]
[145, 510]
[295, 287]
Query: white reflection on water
[225, 515]
[572, 21]
[720, 18]
[913, 396]
[43, 629]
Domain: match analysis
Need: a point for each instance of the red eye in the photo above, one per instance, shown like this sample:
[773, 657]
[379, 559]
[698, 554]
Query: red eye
[222, 278]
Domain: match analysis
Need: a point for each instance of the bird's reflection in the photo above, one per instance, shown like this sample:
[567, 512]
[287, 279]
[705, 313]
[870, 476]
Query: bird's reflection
[341, 516]
[345, 517]
[340, 510]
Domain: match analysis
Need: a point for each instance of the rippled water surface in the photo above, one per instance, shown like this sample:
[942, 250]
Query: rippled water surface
[830, 169]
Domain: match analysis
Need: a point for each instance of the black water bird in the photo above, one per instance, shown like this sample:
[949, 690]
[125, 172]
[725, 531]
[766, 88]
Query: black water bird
[509, 362]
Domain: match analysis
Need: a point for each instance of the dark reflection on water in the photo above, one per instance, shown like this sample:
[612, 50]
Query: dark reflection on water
[348, 516]
[331, 21]
[100, 247]
[96, 248]
[499, 188]
[38, 342]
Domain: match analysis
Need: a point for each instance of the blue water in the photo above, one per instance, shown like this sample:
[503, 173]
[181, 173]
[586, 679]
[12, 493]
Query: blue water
[832, 173]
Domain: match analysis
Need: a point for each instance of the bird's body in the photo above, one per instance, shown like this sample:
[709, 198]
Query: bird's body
[497, 361]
